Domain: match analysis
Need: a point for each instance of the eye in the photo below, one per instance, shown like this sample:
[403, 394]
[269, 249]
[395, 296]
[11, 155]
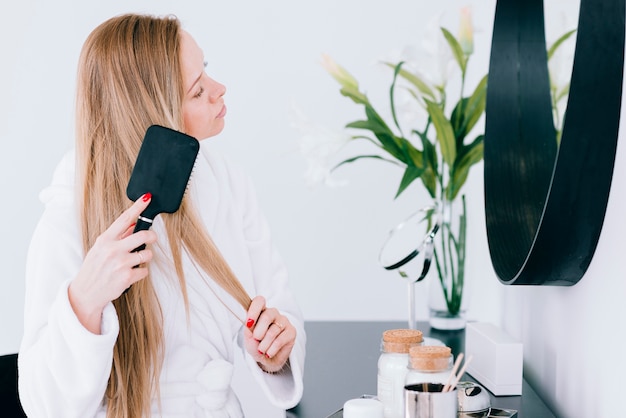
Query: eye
[199, 93]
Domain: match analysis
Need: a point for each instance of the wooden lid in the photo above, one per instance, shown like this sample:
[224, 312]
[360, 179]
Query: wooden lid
[401, 340]
[402, 336]
[431, 358]
[430, 351]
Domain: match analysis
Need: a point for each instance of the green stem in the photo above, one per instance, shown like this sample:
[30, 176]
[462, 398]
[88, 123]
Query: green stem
[450, 260]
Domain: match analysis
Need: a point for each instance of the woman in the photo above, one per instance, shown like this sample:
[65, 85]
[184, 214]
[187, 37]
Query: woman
[166, 346]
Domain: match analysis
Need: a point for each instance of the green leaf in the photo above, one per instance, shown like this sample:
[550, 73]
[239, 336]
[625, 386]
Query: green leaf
[412, 155]
[396, 146]
[429, 153]
[462, 167]
[559, 42]
[410, 174]
[429, 179]
[391, 95]
[429, 176]
[445, 134]
[360, 157]
[415, 80]
[457, 117]
[386, 137]
[464, 149]
[468, 111]
[373, 123]
[369, 125]
[457, 51]
[366, 138]
[475, 106]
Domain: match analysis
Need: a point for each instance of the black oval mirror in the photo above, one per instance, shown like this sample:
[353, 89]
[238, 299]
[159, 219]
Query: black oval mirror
[545, 204]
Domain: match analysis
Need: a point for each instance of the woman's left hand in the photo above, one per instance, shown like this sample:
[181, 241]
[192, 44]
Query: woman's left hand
[269, 336]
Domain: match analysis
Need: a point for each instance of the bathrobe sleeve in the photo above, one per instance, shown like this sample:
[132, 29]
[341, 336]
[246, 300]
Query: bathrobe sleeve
[270, 280]
[63, 369]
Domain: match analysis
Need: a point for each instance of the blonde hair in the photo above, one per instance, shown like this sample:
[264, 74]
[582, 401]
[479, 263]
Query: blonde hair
[129, 78]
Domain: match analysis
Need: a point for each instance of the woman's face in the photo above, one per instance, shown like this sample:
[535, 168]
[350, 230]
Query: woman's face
[203, 103]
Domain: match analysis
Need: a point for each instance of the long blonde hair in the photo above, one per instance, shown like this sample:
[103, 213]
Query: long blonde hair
[129, 77]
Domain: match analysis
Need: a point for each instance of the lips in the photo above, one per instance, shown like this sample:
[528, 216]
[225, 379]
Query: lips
[222, 113]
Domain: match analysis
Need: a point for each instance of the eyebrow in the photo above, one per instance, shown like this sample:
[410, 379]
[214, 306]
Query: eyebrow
[205, 63]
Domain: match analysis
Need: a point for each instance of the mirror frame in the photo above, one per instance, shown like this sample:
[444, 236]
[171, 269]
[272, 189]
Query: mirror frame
[545, 204]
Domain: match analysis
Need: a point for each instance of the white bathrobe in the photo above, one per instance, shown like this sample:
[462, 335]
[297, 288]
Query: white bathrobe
[64, 369]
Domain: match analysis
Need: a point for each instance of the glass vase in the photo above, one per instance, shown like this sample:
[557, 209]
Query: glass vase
[440, 316]
[447, 310]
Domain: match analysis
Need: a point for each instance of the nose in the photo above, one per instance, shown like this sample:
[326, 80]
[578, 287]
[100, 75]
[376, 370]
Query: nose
[217, 91]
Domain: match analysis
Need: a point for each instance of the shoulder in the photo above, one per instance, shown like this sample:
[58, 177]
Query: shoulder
[61, 188]
[58, 228]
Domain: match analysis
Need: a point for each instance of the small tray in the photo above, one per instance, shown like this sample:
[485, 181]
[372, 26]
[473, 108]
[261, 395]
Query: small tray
[491, 413]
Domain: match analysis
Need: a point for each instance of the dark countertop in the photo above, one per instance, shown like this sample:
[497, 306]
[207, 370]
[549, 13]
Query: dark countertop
[341, 364]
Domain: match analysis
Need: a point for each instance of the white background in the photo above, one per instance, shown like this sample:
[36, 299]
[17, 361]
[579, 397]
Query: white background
[268, 54]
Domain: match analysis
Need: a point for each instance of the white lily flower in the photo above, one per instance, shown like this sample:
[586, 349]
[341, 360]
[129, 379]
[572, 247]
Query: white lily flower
[409, 54]
[410, 111]
[438, 64]
[318, 145]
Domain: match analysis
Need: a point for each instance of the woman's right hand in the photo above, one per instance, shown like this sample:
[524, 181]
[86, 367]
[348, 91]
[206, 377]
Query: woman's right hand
[109, 268]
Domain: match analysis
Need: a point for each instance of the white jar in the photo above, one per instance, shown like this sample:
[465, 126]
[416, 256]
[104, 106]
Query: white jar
[393, 367]
[363, 408]
[429, 364]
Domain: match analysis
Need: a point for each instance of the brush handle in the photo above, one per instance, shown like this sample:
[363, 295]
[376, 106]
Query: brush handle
[143, 224]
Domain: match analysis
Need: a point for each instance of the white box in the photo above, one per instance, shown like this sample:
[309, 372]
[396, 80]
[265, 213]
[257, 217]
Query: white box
[497, 361]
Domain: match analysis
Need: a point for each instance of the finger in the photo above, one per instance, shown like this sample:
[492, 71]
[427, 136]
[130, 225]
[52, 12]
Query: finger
[129, 216]
[140, 258]
[129, 230]
[280, 350]
[134, 275]
[275, 337]
[257, 306]
[264, 324]
[137, 239]
[277, 356]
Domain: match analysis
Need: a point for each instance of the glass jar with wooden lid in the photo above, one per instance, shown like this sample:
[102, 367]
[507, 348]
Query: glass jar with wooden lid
[429, 364]
[392, 368]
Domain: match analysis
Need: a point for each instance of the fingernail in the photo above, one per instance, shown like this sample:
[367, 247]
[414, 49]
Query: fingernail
[260, 352]
[267, 355]
[146, 197]
[250, 322]
[133, 225]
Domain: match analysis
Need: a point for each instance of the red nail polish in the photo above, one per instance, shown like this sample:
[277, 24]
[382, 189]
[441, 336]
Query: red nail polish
[146, 197]
[260, 352]
[250, 322]
[267, 355]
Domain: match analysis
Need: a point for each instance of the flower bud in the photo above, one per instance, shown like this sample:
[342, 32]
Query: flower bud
[339, 73]
[466, 31]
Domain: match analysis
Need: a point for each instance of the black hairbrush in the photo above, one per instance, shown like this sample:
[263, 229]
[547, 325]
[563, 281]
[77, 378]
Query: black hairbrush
[163, 167]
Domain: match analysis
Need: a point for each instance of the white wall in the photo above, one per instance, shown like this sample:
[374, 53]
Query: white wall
[267, 53]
